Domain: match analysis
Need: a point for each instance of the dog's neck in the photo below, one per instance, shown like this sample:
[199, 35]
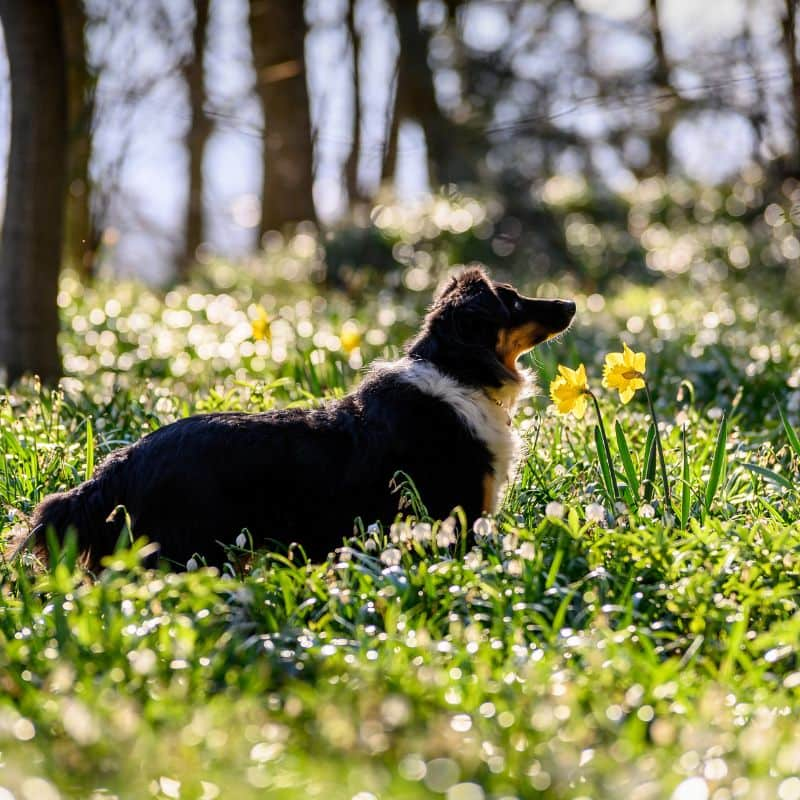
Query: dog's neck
[486, 412]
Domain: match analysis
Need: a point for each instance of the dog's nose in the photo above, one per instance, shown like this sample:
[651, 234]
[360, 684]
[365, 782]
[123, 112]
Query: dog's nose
[569, 307]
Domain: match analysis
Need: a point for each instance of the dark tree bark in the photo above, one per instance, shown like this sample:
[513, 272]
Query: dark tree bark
[34, 217]
[790, 47]
[351, 166]
[667, 102]
[196, 139]
[81, 238]
[415, 99]
[278, 32]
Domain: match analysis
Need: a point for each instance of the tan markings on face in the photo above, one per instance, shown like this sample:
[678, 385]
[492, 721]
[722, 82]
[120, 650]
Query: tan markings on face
[513, 342]
[489, 496]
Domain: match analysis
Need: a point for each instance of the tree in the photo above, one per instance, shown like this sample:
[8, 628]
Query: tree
[81, 237]
[351, 165]
[278, 31]
[415, 99]
[30, 250]
[196, 139]
[790, 48]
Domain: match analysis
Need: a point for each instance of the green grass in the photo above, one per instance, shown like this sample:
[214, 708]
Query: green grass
[561, 657]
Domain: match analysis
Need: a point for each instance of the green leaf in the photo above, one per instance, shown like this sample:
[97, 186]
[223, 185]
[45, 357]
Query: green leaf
[649, 471]
[775, 477]
[718, 463]
[791, 434]
[627, 462]
[686, 491]
[89, 449]
[605, 467]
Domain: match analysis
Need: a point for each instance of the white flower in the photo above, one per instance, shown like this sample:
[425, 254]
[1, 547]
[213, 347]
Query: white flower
[514, 567]
[192, 565]
[527, 551]
[421, 532]
[554, 509]
[595, 513]
[446, 535]
[374, 529]
[399, 532]
[473, 559]
[647, 511]
[510, 542]
[345, 553]
[370, 545]
[483, 527]
[241, 541]
[391, 557]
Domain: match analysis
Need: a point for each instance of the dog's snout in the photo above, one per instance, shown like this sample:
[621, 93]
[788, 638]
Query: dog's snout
[569, 307]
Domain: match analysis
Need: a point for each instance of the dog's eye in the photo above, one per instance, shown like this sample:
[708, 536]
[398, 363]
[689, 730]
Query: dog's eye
[517, 305]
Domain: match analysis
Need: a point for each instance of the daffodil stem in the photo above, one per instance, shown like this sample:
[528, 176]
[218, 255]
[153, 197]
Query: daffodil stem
[664, 478]
[603, 436]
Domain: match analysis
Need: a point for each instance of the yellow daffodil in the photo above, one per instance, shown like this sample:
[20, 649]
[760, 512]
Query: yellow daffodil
[350, 337]
[625, 372]
[261, 329]
[569, 391]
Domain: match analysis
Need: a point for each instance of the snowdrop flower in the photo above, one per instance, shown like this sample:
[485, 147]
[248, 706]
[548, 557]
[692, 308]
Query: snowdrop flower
[421, 532]
[647, 511]
[514, 567]
[483, 527]
[446, 535]
[595, 513]
[527, 551]
[554, 509]
[391, 557]
[510, 542]
[192, 565]
[241, 541]
[473, 559]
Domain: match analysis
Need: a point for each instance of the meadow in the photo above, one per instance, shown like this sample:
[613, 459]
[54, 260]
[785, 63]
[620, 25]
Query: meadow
[586, 647]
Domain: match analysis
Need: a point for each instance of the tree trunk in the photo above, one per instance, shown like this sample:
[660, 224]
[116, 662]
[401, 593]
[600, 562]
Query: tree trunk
[34, 215]
[278, 31]
[790, 46]
[81, 239]
[196, 138]
[415, 98]
[351, 166]
[659, 162]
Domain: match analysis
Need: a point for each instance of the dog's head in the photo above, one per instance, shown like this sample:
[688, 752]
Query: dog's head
[476, 328]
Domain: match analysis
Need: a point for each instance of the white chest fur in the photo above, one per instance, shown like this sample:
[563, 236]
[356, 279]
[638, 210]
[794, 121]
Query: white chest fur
[488, 418]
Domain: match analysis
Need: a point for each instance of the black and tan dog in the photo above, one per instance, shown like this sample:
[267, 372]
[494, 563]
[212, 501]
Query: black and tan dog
[441, 415]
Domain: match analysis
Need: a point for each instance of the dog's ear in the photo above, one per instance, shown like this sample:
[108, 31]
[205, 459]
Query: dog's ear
[465, 283]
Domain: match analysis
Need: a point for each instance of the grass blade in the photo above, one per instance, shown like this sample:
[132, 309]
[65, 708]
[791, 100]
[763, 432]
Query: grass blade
[686, 492]
[605, 467]
[718, 464]
[791, 434]
[627, 461]
[649, 473]
[89, 448]
[767, 473]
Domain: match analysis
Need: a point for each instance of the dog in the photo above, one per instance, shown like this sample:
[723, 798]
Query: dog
[440, 415]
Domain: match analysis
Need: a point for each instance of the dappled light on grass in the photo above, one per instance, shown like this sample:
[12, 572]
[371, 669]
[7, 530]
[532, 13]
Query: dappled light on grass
[583, 643]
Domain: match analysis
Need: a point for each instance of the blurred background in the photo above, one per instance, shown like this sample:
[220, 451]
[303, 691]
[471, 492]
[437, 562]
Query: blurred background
[577, 139]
